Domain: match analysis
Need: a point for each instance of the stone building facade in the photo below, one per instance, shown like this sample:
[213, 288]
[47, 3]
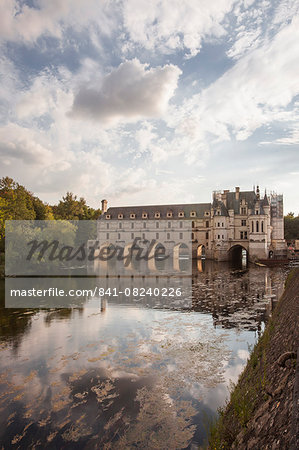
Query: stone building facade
[238, 222]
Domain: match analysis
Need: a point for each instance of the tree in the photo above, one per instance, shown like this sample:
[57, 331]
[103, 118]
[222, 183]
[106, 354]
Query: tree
[42, 211]
[18, 201]
[291, 227]
[70, 208]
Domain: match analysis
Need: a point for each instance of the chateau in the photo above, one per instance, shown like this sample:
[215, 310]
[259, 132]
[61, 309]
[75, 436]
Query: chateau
[235, 223]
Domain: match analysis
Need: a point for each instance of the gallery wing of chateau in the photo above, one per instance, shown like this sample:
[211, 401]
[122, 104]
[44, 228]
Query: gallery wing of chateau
[234, 222]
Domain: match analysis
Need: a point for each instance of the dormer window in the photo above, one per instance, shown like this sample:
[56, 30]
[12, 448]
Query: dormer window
[157, 215]
[169, 214]
[120, 216]
[144, 215]
[132, 216]
[193, 214]
[181, 214]
[108, 216]
[207, 213]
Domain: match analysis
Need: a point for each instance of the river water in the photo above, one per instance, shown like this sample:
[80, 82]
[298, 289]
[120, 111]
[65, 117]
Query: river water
[129, 374]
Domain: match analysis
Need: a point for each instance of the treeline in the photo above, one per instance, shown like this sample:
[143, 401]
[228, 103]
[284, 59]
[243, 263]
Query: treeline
[291, 227]
[17, 203]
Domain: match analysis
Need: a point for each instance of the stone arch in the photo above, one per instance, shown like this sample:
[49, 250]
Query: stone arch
[238, 255]
[201, 252]
[180, 253]
[155, 262]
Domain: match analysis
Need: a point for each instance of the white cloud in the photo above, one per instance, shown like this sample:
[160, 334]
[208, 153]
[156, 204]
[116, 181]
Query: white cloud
[179, 24]
[132, 91]
[254, 92]
[292, 137]
[20, 22]
[17, 143]
[285, 11]
[246, 40]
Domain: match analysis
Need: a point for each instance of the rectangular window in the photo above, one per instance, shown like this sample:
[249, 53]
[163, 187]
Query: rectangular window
[207, 235]
[168, 236]
[243, 223]
[169, 224]
[120, 225]
[157, 224]
[181, 224]
[132, 225]
[218, 236]
[132, 235]
[118, 235]
[245, 234]
[107, 235]
[157, 235]
[181, 235]
[144, 224]
[243, 211]
[241, 235]
[107, 226]
[192, 236]
[143, 235]
[207, 224]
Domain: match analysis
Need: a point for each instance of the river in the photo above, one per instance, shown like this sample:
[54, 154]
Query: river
[130, 374]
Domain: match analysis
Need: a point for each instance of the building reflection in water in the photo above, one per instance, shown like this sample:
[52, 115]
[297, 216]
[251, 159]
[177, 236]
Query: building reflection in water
[236, 299]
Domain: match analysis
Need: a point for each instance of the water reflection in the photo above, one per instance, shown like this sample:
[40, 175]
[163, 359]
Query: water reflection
[121, 374]
[236, 299]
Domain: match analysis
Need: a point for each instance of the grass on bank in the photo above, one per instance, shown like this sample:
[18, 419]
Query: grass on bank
[2, 265]
[247, 393]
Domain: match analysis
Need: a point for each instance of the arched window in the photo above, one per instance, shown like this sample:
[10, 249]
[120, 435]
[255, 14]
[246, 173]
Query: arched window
[262, 226]
[257, 226]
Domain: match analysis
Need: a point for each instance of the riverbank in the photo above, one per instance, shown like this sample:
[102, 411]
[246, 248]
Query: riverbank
[2, 265]
[260, 412]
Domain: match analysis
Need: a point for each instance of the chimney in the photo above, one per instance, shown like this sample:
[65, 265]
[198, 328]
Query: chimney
[237, 192]
[258, 192]
[224, 196]
[104, 206]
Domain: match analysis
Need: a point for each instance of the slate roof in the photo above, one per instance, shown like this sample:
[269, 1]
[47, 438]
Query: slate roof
[233, 203]
[265, 201]
[199, 208]
[220, 205]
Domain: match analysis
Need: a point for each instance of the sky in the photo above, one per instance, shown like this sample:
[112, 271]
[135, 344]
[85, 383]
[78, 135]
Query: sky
[150, 102]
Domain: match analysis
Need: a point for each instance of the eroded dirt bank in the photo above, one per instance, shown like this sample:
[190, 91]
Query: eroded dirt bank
[261, 413]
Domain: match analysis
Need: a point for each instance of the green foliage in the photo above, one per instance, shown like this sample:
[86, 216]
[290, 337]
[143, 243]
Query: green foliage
[17, 203]
[42, 211]
[70, 208]
[291, 227]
